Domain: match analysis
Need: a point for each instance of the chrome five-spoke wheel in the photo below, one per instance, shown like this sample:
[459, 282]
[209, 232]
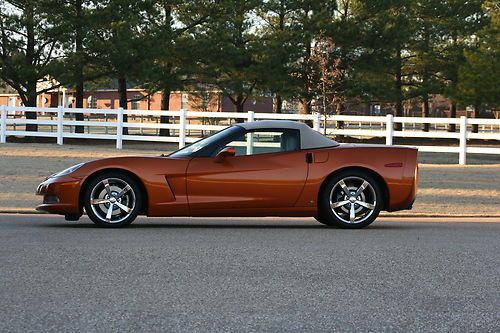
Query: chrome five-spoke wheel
[350, 200]
[112, 200]
[353, 200]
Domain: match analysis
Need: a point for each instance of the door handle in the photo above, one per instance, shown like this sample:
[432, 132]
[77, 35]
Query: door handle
[309, 158]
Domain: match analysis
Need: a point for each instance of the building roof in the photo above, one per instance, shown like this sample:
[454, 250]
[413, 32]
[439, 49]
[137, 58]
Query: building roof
[309, 138]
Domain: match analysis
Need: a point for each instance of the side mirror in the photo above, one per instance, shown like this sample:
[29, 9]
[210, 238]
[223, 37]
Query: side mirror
[224, 153]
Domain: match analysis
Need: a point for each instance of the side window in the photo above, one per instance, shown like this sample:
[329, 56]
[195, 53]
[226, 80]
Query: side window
[136, 100]
[262, 142]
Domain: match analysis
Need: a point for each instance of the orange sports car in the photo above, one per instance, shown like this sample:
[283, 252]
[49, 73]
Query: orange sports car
[263, 168]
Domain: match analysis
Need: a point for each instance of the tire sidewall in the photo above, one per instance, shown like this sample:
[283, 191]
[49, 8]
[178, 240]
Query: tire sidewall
[96, 180]
[325, 214]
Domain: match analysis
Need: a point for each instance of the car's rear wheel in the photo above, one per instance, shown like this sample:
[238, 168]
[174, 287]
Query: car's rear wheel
[112, 200]
[350, 199]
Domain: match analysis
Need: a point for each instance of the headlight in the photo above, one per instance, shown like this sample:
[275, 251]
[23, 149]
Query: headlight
[67, 171]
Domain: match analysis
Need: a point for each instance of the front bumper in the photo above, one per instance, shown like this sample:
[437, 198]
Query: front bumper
[61, 195]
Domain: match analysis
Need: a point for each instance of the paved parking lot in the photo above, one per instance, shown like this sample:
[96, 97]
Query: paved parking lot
[188, 275]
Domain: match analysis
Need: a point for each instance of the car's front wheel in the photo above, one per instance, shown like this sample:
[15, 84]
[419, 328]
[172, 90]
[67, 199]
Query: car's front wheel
[112, 200]
[350, 199]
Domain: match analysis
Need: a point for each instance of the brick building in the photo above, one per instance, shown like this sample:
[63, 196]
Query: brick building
[139, 99]
[214, 101]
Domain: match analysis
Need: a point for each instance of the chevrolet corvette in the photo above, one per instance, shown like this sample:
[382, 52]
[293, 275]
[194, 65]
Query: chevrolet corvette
[263, 168]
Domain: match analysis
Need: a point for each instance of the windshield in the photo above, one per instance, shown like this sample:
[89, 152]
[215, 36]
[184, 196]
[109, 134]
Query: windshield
[205, 142]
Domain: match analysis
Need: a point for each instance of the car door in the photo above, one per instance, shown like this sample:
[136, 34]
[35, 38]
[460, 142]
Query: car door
[267, 171]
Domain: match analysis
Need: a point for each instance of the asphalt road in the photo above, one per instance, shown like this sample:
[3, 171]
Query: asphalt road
[189, 275]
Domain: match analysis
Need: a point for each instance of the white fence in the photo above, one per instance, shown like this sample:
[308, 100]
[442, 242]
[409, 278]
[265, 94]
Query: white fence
[189, 126]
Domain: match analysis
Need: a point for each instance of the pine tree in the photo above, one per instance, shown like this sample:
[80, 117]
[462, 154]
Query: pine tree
[27, 49]
[383, 70]
[311, 19]
[170, 66]
[121, 43]
[460, 21]
[72, 21]
[280, 50]
[229, 51]
[479, 79]
[425, 50]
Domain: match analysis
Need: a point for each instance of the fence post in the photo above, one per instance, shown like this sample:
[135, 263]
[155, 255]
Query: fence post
[389, 129]
[182, 128]
[3, 125]
[317, 121]
[251, 117]
[60, 117]
[462, 152]
[119, 129]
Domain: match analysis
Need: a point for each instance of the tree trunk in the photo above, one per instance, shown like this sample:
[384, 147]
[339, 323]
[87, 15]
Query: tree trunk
[165, 105]
[31, 93]
[476, 114]
[425, 111]
[339, 109]
[79, 105]
[31, 101]
[453, 115]
[305, 107]
[79, 66]
[425, 81]
[278, 104]
[399, 92]
[122, 92]
[219, 102]
[239, 106]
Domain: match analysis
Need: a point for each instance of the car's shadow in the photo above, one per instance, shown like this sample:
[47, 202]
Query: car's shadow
[228, 225]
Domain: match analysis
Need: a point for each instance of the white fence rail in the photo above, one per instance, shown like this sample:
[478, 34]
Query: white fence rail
[188, 126]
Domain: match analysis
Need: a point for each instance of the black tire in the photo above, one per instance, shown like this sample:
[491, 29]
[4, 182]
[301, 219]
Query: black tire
[347, 194]
[105, 190]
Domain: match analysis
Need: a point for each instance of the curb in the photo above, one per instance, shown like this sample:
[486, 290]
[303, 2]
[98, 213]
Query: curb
[33, 212]
[14, 211]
